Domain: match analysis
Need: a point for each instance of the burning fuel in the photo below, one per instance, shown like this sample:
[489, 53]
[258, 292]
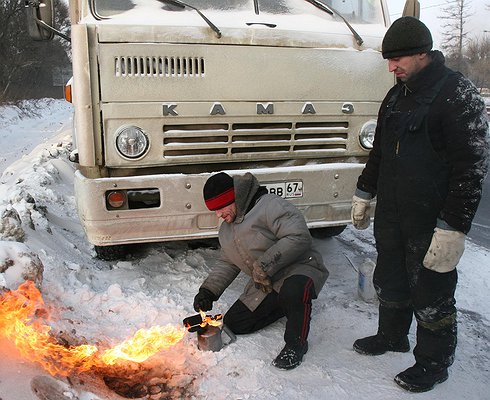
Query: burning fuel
[24, 321]
[144, 344]
[199, 322]
[209, 329]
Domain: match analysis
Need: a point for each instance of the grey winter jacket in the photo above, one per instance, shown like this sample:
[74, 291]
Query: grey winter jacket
[274, 233]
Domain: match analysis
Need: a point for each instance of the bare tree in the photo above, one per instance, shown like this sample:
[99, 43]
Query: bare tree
[62, 22]
[26, 66]
[477, 55]
[454, 36]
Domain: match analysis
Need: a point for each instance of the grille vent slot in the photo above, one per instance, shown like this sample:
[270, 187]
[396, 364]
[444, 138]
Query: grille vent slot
[151, 66]
[221, 142]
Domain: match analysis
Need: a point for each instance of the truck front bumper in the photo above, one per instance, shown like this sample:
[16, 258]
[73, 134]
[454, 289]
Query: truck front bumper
[181, 214]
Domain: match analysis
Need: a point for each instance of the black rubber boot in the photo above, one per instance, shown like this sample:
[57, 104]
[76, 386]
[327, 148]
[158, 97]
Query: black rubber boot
[290, 356]
[377, 345]
[420, 379]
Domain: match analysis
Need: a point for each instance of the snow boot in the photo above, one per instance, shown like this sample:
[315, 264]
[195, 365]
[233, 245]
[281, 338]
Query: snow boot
[378, 344]
[290, 356]
[420, 379]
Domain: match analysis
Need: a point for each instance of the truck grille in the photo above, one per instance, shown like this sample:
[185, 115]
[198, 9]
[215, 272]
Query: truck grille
[246, 141]
[168, 67]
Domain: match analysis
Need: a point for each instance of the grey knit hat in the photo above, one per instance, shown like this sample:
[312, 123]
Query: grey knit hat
[405, 37]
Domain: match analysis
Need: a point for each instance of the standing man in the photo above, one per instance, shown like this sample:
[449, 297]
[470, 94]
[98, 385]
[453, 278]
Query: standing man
[265, 237]
[426, 168]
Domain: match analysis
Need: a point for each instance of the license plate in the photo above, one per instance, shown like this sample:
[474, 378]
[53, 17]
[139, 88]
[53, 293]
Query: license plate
[286, 190]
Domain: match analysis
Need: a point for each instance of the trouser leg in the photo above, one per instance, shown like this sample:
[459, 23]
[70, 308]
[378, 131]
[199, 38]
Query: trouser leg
[391, 282]
[404, 285]
[241, 320]
[394, 321]
[435, 310]
[436, 343]
[295, 299]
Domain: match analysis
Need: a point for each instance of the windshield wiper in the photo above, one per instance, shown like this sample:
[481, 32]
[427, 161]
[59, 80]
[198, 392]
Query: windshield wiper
[181, 4]
[332, 11]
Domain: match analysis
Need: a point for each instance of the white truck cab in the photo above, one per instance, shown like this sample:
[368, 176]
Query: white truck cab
[168, 92]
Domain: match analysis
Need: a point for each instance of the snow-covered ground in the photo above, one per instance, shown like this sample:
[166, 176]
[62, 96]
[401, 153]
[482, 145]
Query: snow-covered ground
[19, 135]
[102, 303]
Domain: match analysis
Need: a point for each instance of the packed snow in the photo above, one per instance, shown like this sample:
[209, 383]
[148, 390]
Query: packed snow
[103, 303]
[22, 129]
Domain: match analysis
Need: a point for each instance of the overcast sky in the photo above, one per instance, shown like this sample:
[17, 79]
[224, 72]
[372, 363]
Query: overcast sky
[432, 9]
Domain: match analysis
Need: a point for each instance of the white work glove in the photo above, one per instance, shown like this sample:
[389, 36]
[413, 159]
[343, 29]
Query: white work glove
[359, 214]
[445, 250]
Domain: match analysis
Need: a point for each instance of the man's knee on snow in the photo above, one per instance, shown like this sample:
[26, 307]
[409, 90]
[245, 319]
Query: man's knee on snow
[239, 319]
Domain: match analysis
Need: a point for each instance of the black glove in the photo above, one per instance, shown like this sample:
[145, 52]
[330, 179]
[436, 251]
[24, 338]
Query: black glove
[204, 300]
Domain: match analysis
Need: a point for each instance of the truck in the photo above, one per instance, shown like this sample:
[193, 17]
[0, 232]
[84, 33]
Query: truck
[168, 92]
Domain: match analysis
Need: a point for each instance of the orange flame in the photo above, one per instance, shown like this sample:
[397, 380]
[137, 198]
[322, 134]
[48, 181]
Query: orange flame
[22, 313]
[144, 344]
[209, 320]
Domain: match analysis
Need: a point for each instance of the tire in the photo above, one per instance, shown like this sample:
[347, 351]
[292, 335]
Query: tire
[322, 233]
[111, 253]
[211, 243]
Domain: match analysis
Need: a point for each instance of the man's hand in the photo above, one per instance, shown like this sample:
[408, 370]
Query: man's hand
[360, 212]
[445, 250]
[204, 300]
[261, 279]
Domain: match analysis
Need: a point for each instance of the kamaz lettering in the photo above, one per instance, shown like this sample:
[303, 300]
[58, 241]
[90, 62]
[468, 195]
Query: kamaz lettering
[219, 109]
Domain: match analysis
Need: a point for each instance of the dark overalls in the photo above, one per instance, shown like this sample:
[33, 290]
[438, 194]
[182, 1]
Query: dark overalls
[412, 186]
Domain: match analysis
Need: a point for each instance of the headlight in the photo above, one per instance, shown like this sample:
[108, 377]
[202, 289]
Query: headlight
[366, 135]
[131, 141]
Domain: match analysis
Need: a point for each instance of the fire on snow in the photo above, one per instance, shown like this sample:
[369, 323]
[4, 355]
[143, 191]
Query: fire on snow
[23, 321]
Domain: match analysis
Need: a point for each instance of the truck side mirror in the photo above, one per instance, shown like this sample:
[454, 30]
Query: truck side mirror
[40, 19]
[411, 9]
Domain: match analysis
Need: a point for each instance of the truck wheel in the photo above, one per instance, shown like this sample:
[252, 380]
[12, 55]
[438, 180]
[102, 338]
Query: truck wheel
[210, 243]
[322, 233]
[111, 253]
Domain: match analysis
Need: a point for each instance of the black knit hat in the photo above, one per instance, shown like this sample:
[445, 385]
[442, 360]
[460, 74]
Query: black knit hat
[218, 191]
[405, 37]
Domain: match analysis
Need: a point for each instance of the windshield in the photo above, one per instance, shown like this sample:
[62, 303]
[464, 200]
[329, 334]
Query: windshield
[354, 11]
